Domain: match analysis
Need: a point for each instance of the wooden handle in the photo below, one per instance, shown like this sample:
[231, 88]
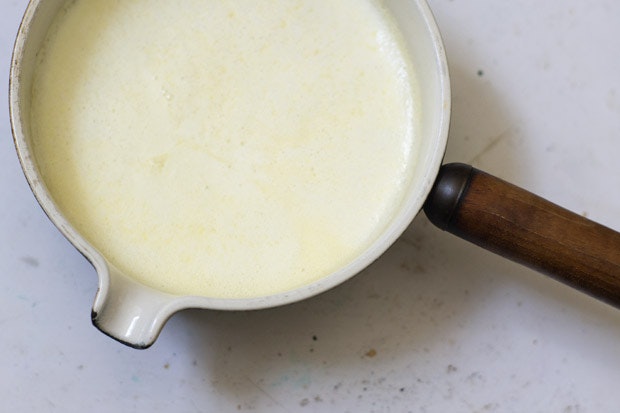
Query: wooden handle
[525, 228]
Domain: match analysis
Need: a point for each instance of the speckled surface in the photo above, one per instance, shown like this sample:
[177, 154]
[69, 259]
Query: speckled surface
[435, 325]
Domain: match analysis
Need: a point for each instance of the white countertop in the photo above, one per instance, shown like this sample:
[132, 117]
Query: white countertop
[436, 325]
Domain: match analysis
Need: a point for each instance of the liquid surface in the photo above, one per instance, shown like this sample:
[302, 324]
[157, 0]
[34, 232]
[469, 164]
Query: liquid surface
[225, 148]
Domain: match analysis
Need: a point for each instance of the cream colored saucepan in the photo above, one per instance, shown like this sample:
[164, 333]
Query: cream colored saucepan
[456, 197]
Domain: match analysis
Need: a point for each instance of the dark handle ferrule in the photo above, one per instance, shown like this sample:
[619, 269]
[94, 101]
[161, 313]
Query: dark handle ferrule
[452, 182]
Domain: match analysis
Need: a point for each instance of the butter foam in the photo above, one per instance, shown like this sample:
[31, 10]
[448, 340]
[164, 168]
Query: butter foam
[227, 149]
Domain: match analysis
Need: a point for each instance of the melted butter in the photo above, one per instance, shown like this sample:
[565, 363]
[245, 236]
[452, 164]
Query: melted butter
[226, 148]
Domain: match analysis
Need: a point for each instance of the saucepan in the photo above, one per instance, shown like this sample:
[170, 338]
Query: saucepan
[456, 197]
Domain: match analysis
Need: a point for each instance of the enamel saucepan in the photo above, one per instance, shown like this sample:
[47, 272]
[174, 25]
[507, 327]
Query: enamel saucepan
[457, 198]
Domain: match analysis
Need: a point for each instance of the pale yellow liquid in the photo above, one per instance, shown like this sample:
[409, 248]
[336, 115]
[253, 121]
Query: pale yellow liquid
[226, 148]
